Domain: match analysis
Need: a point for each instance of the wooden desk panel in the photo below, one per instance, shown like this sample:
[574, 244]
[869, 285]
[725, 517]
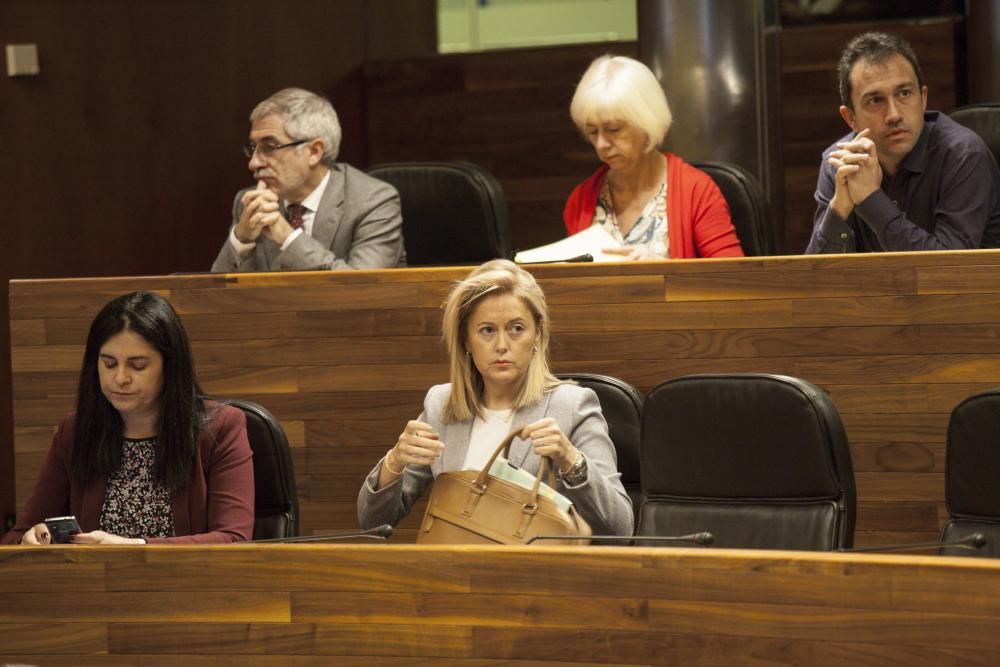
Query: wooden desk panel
[389, 605]
[343, 359]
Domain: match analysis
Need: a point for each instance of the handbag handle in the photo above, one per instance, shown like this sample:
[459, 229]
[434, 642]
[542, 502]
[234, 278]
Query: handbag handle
[545, 468]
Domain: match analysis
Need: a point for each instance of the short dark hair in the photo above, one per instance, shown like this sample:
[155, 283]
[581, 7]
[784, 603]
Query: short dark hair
[97, 446]
[876, 48]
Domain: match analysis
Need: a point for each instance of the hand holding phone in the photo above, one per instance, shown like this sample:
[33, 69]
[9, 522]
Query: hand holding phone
[62, 528]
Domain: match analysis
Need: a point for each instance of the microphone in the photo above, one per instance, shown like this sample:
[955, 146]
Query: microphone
[971, 541]
[382, 532]
[702, 539]
[585, 257]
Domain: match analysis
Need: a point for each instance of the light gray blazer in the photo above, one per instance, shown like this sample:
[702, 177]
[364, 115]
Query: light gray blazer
[601, 499]
[358, 225]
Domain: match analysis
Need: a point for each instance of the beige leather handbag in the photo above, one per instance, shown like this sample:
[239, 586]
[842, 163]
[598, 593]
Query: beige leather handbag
[470, 507]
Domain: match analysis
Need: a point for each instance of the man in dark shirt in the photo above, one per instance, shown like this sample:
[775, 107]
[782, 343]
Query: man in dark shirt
[905, 178]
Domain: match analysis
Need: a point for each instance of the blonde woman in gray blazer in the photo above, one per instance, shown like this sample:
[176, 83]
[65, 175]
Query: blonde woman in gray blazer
[496, 328]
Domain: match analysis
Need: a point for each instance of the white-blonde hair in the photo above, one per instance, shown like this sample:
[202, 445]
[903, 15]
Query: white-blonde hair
[494, 278]
[616, 88]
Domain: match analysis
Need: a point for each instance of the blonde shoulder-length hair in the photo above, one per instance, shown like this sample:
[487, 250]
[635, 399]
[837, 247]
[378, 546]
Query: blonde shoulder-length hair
[496, 277]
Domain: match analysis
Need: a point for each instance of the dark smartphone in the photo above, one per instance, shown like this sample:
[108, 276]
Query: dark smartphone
[62, 528]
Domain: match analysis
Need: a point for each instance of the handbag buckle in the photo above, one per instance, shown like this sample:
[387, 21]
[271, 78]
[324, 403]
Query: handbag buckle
[476, 491]
[528, 511]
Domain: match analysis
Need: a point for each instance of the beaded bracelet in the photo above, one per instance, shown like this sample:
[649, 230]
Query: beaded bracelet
[389, 467]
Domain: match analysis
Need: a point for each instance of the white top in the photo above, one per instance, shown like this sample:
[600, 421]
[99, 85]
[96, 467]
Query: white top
[649, 233]
[311, 203]
[486, 436]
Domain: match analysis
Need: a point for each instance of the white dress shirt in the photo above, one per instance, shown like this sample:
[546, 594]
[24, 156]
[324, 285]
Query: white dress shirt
[311, 204]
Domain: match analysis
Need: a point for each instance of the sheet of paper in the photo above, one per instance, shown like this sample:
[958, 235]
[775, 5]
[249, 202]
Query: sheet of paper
[501, 469]
[591, 241]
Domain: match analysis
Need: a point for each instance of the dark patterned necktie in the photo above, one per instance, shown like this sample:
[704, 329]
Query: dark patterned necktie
[295, 213]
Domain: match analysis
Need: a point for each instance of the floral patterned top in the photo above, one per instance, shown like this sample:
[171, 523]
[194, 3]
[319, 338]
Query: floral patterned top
[649, 234]
[135, 504]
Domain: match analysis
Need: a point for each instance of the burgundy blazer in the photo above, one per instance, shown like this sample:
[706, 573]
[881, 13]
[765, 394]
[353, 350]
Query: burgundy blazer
[217, 506]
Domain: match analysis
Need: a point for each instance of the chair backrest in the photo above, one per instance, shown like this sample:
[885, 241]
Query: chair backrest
[760, 461]
[453, 212]
[748, 206]
[276, 505]
[984, 120]
[972, 469]
[621, 404]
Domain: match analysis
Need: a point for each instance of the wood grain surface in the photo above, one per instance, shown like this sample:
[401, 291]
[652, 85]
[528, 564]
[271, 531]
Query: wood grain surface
[395, 605]
[343, 359]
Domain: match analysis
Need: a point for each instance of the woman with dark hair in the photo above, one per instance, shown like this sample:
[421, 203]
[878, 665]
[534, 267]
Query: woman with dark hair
[143, 459]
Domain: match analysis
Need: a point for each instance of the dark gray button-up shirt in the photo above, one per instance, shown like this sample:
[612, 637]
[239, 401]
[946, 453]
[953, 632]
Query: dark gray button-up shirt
[945, 196]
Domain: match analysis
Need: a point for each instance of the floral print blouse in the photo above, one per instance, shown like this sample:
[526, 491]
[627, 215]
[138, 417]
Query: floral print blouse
[649, 234]
[135, 504]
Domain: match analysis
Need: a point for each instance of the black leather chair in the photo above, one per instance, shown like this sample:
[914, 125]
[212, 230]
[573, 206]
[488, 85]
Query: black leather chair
[984, 120]
[621, 404]
[276, 505]
[760, 461]
[453, 212]
[972, 471]
[748, 206]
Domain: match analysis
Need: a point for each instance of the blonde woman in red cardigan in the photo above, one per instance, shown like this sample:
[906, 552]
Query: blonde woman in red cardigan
[654, 204]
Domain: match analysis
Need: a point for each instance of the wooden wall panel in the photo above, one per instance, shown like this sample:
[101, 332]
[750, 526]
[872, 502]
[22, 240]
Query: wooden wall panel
[896, 340]
[508, 111]
[140, 107]
[396, 605]
[122, 157]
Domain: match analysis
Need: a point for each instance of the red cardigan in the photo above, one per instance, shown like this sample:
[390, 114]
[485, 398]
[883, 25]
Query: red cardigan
[698, 222]
[217, 506]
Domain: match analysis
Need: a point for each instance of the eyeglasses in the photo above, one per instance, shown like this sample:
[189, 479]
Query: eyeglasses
[266, 149]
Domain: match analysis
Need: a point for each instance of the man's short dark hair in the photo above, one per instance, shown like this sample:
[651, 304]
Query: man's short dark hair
[876, 48]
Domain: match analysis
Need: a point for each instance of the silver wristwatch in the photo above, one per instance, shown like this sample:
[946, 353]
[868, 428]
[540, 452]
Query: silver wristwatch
[577, 473]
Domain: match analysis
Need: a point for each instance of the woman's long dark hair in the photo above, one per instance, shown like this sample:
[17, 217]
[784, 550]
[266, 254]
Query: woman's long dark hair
[99, 426]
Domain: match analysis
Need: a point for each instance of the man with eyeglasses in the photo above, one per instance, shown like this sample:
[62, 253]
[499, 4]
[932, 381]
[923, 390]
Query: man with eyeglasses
[308, 211]
[905, 178]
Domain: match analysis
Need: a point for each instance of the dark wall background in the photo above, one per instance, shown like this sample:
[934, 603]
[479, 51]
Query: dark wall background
[509, 111]
[123, 156]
